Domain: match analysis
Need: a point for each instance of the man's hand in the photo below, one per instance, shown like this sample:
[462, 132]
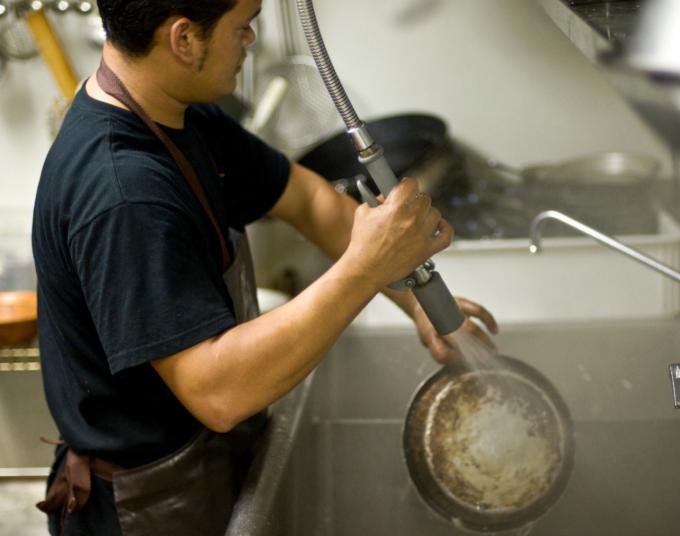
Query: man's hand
[390, 241]
[472, 343]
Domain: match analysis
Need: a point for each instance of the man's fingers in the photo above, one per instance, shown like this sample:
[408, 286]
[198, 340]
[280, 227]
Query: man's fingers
[443, 235]
[404, 192]
[480, 335]
[441, 349]
[475, 310]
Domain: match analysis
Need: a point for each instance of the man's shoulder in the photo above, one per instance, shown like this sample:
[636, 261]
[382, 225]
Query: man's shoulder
[98, 162]
[212, 117]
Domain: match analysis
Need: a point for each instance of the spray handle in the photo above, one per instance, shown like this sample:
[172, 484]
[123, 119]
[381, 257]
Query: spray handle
[379, 169]
[427, 285]
[366, 193]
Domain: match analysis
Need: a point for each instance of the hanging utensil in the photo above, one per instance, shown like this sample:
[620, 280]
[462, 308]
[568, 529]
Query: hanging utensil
[52, 52]
[94, 30]
[492, 448]
[305, 116]
[271, 99]
[16, 41]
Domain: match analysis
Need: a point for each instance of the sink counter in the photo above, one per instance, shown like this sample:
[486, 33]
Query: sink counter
[341, 469]
[601, 30]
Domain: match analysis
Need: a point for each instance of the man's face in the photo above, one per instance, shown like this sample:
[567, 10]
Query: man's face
[225, 50]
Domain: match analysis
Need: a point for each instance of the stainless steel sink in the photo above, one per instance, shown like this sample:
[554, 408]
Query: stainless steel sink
[332, 462]
[340, 470]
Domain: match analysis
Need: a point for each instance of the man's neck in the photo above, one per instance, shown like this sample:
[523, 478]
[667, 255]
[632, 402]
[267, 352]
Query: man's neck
[146, 85]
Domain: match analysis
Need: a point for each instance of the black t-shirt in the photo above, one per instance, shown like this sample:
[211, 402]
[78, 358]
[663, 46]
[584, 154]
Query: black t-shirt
[129, 267]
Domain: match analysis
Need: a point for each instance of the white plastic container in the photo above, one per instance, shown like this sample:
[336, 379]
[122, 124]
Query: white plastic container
[572, 279]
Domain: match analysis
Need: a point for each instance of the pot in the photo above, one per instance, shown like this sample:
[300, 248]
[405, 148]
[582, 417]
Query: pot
[18, 317]
[415, 145]
[612, 191]
[491, 449]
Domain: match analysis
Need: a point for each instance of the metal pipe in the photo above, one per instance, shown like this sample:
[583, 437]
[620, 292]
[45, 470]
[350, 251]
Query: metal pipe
[24, 472]
[323, 62]
[540, 219]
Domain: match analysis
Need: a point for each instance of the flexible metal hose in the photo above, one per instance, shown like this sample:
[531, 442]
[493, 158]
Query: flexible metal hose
[323, 63]
[427, 285]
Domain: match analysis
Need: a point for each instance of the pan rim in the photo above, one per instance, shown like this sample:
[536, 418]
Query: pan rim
[438, 500]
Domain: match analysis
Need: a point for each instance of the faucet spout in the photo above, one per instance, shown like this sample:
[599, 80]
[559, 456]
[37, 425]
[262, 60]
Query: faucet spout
[539, 221]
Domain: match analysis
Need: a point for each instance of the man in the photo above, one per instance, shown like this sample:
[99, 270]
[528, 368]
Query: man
[157, 369]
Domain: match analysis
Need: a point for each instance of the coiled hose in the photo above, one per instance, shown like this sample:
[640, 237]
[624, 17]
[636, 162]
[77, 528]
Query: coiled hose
[323, 63]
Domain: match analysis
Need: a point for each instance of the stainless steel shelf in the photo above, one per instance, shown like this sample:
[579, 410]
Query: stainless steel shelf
[19, 359]
[614, 20]
[600, 30]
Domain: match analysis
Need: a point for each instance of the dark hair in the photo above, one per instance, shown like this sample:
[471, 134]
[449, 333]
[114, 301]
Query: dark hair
[130, 24]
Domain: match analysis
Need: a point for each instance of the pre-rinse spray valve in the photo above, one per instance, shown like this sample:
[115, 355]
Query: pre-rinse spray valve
[427, 285]
[423, 273]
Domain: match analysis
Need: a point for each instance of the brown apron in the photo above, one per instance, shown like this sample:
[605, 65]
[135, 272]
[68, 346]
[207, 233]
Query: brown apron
[191, 491]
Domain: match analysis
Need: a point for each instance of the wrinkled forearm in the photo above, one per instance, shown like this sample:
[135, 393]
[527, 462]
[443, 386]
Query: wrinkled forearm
[230, 377]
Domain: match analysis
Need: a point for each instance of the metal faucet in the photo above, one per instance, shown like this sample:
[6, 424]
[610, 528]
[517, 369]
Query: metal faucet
[535, 247]
[540, 219]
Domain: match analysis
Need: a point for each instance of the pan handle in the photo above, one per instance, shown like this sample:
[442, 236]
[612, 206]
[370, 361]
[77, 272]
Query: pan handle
[516, 174]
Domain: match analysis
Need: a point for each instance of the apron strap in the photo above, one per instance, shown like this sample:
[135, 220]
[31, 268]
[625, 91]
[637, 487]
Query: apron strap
[70, 490]
[112, 85]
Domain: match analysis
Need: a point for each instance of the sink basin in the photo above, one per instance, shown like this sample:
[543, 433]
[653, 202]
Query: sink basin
[340, 468]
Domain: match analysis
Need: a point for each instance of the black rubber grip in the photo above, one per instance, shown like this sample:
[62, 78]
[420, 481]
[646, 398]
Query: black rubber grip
[439, 306]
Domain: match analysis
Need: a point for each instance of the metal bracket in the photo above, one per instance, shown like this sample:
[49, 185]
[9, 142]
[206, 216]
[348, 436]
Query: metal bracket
[675, 383]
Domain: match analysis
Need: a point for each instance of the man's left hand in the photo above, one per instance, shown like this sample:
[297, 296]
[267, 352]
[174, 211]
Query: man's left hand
[448, 348]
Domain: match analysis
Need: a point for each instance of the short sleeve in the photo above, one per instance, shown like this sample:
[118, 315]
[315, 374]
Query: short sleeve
[266, 172]
[148, 290]
[256, 174]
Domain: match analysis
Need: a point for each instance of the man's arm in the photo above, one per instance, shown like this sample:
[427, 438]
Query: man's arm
[224, 380]
[325, 217]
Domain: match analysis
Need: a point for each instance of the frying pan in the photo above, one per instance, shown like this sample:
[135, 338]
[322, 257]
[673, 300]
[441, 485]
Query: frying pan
[613, 191]
[612, 167]
[605, 179]
[415, 145]
[489, 449]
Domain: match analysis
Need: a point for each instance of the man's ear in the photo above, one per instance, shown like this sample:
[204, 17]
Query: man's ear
[184, 42]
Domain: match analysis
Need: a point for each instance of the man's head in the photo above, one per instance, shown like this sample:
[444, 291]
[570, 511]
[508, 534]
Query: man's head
[194, 48]
[130, 25]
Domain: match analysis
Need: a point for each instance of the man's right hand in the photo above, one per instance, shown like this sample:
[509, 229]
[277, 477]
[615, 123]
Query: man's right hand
[390, 241]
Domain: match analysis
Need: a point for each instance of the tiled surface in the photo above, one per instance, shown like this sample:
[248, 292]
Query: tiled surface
[24, 419]
[18, 514]
[614, 20]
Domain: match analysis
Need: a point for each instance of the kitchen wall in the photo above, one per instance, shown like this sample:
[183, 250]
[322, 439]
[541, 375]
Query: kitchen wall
[502, 76]
[29, 99]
